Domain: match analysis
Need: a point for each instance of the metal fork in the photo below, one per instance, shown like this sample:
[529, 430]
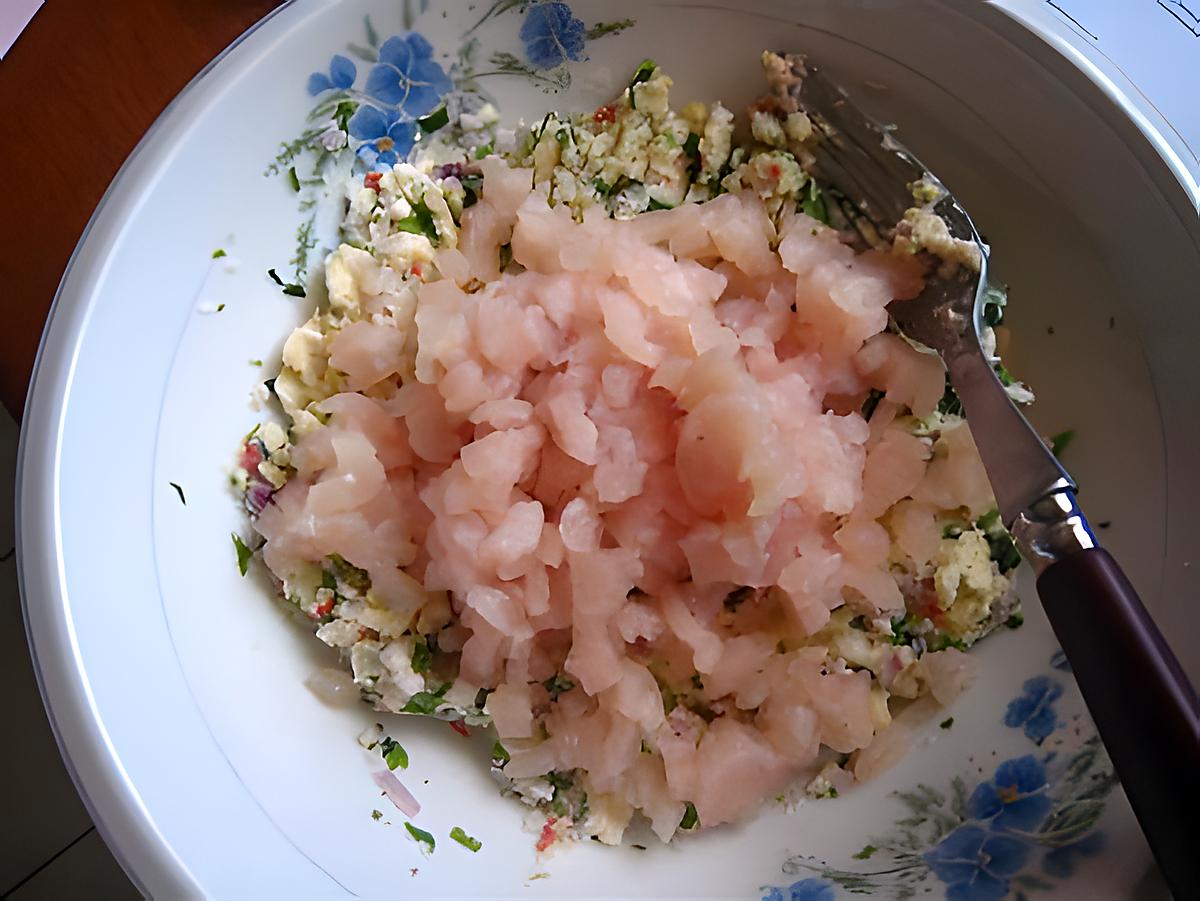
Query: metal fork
[1144, 707]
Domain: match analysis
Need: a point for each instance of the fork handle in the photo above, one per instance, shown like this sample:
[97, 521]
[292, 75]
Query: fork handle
[1145, 709]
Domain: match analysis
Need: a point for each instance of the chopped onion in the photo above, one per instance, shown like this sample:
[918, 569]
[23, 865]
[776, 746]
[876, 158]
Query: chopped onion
[333, 686]
[396, 792]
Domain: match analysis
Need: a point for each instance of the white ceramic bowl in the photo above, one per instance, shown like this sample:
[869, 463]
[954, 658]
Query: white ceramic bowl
[175, 687]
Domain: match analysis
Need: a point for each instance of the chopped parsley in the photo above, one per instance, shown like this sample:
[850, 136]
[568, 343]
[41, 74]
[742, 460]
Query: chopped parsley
[220, 307]
[691, 146]
[691, 819]
[393, 753]
[872, 401]
[946, 723]
[1015, 621]
[499, 752]
[644, 72]
[179, 491]
[439, 118]
[377, 815]
[1059, 442]
[471, 844]
[602, 187]
[289, 288]
[902, 627]
[243, 553]
[865, 853]
[256, 362]
[421, 836]
[994, 301]
[488, 148]
[557, 684]
[294, 179]
[422, 657]
[218, 253]
[813, 204]
[943, 641]
[1003, 549]
[425, 702]
[950, 405]
[419, 222]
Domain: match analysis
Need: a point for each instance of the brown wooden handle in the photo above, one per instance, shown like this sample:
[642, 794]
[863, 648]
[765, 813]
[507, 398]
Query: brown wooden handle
[1143, 705]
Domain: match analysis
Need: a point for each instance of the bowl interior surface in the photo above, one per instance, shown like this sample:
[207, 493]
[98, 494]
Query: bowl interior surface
[177, 687]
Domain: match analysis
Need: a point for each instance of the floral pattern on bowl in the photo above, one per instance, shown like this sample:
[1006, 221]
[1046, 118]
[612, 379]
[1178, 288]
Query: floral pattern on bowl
[1026, 826]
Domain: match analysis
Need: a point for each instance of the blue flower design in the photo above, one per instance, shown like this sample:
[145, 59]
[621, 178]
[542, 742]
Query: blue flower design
[976, 864]
[552, 35]
[342, 73]
[805, 890]
[1061, 862]
[1034, 708]
[387, 137]
[1059, 660]
[407, 78]
[1015, 798]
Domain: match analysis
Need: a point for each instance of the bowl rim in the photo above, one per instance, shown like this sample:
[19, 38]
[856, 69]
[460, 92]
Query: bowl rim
[77, 723]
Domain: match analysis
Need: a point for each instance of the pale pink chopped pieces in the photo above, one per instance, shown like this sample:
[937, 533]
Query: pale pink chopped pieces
[599, 446]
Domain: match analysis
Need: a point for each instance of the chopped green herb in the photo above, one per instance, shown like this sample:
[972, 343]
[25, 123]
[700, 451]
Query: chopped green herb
[902, 627]
[256, 362]
[485, 150]
[472, 185]
[950, 405]
[439, 118]
[557, 684]
[421, 836]
[813, 203]
[292, 290]
[691, 146]
[218, 253]
[1059, 442]
[179, 491]
[832, 793]
[943, 641]
[602, 187]
[872, 401]
[865, 853]
[294, 179]
[220, 307]
[328, 580]
[419, 222]
[393, 754]
[994, 300]
[1003, 549]
[1015, 621]
[351, 575]
[691, 819]
[422, 657]
[644, 72]
[471, 844]
[376, 815]
[1004, 375]
[423, 702]
[499, 752]
[243, 553]
[946, 723]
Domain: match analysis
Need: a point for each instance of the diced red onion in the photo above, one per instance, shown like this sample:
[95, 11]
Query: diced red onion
[396, 792]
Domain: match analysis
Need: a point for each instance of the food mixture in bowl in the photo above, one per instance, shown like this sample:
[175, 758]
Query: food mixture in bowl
[602, 437]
